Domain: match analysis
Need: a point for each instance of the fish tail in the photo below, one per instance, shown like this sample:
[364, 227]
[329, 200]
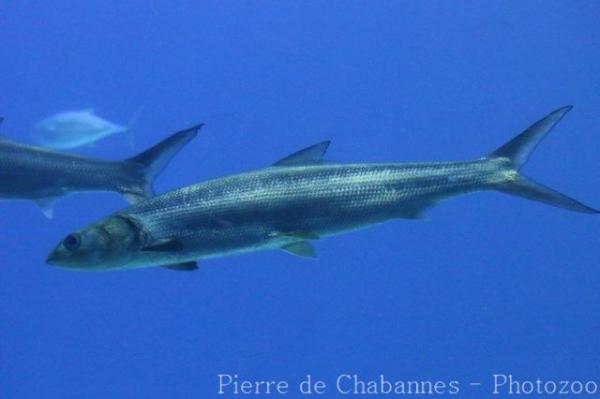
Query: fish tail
[146, 166]
[516, 153]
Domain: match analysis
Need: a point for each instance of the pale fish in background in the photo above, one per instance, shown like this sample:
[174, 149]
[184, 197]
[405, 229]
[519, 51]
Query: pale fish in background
[73, 129]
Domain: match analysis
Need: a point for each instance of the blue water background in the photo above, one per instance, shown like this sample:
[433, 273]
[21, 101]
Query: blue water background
[485, 284]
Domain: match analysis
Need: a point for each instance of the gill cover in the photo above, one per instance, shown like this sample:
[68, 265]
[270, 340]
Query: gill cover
[107, 244]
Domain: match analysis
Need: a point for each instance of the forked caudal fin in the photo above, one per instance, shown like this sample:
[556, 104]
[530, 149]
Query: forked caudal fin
[148, 164]
[518, 151]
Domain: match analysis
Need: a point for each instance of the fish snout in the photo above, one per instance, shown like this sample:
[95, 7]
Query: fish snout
[58, 256]
[52, 258]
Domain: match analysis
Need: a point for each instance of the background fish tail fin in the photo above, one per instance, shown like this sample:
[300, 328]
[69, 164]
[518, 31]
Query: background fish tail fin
[147, 165]
[518, 150]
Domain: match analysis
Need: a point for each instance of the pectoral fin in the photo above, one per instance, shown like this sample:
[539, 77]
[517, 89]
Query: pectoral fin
[164, 245]
[301, 248]
[301, 235]
[182, 267]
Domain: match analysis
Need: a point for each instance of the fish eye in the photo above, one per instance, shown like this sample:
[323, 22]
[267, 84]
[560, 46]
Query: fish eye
[72, 242]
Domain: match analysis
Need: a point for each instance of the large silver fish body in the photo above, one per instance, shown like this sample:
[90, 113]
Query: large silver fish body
[41, 175]
[297, 200]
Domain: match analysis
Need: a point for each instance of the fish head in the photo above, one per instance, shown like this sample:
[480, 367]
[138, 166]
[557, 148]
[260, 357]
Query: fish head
[107, 244]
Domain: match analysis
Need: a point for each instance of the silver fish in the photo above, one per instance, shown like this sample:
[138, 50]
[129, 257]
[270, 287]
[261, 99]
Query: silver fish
[297, 200]
[73, 129]
[42, 175]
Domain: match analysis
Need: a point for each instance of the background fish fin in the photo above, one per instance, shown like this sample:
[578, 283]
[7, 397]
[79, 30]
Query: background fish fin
[46, 205]
[146, 166]
[164, 245]
[182, 267]
[302, 248]
[307, 156]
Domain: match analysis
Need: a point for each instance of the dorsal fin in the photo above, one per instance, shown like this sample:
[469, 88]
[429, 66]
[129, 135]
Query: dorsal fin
[307, 156]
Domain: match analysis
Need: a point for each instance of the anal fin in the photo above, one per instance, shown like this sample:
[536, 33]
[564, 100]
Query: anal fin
[415, 214]
[182, 267]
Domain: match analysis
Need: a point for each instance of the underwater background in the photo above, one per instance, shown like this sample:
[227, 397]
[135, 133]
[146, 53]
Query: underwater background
[486, 284]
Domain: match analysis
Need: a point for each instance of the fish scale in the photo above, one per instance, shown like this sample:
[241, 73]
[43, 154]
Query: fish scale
[365, 193]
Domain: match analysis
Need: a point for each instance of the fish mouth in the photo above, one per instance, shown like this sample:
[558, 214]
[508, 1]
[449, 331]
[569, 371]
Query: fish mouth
[51, 259]
[60, 262]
